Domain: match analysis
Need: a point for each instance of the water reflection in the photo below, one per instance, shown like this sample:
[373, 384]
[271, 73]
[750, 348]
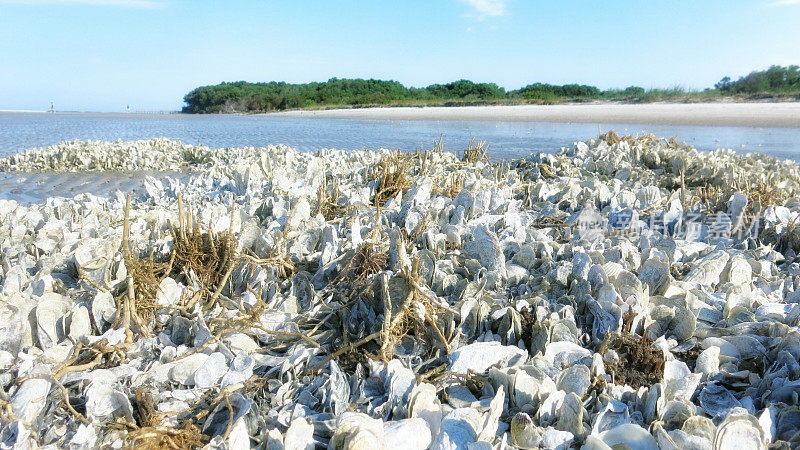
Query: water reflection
[20, 131]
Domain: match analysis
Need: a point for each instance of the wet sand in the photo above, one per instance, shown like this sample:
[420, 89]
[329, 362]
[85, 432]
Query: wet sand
[34, 187]
[706, 114]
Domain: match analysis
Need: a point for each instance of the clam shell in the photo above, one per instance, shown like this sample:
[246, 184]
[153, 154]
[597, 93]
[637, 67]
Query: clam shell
[479, 356]
[357, 431]
[701, 427]
[300, 434]
[611, 416]
[524, 433]
[424, 404]
[575, 379]
[629, 436]
[30, 398]
[49, 315]
[459, 428]
[655, 274]
[739, 430]
[561, 354]
[412, 434]
[570, 416]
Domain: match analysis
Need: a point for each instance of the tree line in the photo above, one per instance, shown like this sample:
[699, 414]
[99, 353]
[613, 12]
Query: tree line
[776, 79]
[243, 96]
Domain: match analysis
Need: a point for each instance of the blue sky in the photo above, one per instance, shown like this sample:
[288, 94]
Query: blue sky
[101, 55]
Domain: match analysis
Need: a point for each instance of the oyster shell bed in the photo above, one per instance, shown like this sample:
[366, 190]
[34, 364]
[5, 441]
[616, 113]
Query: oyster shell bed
[482, 305]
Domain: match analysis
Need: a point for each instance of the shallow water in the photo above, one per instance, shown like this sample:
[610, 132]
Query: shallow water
[19, 131]
[35, 187]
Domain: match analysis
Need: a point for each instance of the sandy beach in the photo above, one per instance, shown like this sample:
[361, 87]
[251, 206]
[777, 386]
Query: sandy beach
[712, 114]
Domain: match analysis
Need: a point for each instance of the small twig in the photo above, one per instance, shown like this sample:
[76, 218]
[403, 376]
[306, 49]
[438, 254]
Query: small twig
[224, 392]
[51, 379]
[216, 294]
[137, 319]
[74, 355]
[209, 341]
[683, 188]
[90, 365]
[7, 413]
[439, 334]
[169, 266]
[84, 277]
[387, 311]
[321, 322]
[126, 312]
[196, 295]
[344, 350]
[180, 217]
[230, 420]
[289, 334]
[433, 372]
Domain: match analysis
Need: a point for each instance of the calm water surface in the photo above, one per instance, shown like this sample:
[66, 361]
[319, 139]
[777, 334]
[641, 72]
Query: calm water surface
[19, 131]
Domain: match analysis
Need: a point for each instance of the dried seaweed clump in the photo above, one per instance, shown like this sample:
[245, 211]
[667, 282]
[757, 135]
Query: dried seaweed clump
[328, 198]
[639, 364]
[392, 176]
[146, 274]
[765, 195]
[611, 137]
[152, 433]
[138, 302]
[547, 171]
[419, 313]
[759, 195]
[278, 258]
[476, 151]
[784, 240]
[451, 186]
[209, 256]
[368, 260]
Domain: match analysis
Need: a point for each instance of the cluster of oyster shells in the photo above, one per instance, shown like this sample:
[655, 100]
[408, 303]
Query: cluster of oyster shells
[513, 301]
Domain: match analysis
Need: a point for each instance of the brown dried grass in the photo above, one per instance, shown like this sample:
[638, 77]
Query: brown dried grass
[279, 258]
[760, 195]
[152, 433]
[418, 313]
[392, 176]
[451, 186]
[639, 364]
[147, 275]
[137, 304]
[547, 171]
[328, 198]
[611, 137]
[423, 157]
[208, 255]
[368, 260]
[476, 151]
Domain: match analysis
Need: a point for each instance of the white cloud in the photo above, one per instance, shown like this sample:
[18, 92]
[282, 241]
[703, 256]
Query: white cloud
[494, 8]
[785, 2]
[118, 3]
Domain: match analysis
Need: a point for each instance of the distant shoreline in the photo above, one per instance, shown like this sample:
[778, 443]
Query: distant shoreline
[22, 111]
[782, 114]
[748, 114]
